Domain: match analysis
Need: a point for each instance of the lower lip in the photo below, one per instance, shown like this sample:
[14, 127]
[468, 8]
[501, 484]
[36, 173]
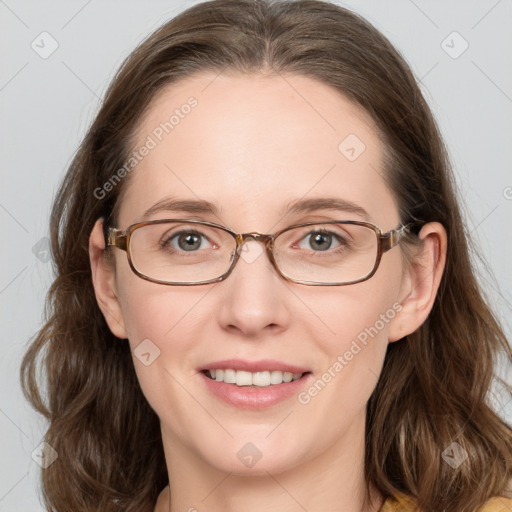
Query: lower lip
[254, 397]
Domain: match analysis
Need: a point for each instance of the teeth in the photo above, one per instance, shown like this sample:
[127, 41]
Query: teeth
[229, 376]
[243, 378]
[260, 379]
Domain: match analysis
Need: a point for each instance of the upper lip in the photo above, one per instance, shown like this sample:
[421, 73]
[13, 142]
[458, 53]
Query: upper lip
[253, 366]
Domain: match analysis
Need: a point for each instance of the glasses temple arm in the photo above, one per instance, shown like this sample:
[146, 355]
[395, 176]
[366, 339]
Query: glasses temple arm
[116, 238]
[393, 237]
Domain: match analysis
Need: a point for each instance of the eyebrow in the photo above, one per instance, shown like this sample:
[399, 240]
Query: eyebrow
[294, 207]
[324, 203]
[181, 205]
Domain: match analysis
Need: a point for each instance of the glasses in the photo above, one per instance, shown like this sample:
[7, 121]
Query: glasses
[193, 252]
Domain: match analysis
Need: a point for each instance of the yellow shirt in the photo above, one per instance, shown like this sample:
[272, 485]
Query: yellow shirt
[405, 504]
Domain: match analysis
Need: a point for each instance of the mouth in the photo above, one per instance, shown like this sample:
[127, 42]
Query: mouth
[254, 390]
[261, 379]
[254, 385]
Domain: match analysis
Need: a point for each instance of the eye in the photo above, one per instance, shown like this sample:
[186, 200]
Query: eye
[185, 240]
[322, 240]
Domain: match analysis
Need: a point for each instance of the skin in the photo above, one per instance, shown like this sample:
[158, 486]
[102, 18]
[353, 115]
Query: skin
[252, 145]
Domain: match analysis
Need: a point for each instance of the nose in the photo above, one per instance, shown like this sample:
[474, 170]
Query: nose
[254, 295]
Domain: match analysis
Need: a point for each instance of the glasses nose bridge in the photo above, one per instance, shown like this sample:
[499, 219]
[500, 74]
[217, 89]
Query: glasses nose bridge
[267, 240]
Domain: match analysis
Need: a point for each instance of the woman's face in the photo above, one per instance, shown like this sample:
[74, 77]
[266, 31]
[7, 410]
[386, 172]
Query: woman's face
[251, 146]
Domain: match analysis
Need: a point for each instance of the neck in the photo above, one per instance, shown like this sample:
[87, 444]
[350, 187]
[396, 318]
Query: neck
[331, 479]
[164, 503]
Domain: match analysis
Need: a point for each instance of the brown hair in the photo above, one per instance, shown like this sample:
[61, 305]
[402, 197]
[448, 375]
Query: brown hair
[434, 387]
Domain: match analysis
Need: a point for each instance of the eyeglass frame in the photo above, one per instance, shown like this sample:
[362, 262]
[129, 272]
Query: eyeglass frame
[115, 237]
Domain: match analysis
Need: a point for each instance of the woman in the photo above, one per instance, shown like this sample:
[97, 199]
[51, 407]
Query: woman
[344, 362]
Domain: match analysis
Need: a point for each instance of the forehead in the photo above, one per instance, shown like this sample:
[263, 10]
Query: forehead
[251, 144]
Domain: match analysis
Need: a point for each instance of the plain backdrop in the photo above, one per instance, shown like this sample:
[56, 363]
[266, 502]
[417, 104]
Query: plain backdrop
[459, 50]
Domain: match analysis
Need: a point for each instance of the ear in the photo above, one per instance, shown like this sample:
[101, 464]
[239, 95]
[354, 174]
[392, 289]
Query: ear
[420, 281]
[103, 279]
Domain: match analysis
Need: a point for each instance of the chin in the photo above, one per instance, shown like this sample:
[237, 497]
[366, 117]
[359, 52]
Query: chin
[254, 456]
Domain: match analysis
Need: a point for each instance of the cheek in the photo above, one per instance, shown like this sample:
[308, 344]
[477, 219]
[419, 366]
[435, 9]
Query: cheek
[162, 315]
[157, 319]
[359, 336]
[358, 319]
[151, 310]
[363, 311]
[161, 321]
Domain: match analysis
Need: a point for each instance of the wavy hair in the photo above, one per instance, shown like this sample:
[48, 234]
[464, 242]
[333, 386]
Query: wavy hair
[435, 385]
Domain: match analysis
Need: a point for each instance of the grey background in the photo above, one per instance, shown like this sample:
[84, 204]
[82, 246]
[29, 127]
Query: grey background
[46, 105]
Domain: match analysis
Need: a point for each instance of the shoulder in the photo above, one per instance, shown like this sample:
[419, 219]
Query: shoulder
[403, 503]
[497, 505]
